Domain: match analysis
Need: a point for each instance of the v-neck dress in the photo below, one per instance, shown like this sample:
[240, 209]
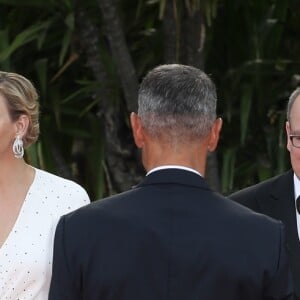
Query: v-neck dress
[26, 255]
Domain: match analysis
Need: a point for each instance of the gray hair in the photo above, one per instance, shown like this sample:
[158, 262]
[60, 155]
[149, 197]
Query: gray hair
[291, 101]
[177, 100]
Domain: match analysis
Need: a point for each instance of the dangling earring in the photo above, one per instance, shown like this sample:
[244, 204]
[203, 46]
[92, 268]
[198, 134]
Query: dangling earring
[18, 148]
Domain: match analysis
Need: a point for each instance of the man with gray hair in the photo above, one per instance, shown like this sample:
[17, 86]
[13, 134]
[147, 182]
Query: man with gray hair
[279, 197]
[171, 237]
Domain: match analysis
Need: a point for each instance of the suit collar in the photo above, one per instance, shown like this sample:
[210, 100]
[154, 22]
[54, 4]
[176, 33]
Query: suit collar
[175, 176]
[283, 192]
[173, 167]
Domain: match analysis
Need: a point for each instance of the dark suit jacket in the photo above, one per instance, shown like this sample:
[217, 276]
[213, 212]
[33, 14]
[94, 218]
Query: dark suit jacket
[169, 238]
[275, 198]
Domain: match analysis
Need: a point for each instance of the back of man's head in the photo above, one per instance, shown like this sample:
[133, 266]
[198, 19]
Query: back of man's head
[177, 101]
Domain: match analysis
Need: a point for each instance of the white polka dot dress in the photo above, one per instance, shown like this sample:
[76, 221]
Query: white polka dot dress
[26, 255]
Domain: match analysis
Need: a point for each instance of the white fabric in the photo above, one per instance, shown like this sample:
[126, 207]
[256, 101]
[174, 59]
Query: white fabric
[297, 194]
[173, 167]
[26, 255]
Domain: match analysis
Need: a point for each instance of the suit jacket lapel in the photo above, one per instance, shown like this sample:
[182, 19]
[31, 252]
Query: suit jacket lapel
[282, 194]
[284, 206]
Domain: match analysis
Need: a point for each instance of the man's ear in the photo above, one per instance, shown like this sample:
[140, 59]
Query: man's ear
[288, 132]
[21, 125]
[214, 135]
[137, 130]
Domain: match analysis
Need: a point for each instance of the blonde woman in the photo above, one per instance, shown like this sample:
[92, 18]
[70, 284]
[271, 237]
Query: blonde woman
[31, 200]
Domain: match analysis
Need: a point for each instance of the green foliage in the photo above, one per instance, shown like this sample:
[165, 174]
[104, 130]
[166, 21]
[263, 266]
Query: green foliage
[209, 7]
[36, 40]
[251, 51]
[253, 65]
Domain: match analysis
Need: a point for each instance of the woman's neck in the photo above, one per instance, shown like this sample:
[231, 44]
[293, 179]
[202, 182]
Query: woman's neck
[13, 174]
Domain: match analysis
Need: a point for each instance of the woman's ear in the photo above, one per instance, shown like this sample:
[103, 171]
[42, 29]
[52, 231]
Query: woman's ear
[137, 130]
[215, 135]
[21, 125]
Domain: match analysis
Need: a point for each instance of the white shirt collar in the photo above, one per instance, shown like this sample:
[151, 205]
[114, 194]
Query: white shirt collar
[173, 167]
[297, 194]
[296, 186]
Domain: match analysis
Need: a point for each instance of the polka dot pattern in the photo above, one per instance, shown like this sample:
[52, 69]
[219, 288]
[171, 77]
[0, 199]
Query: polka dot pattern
[26, 255]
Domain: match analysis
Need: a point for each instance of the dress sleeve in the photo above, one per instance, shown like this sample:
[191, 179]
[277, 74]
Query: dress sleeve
[280, 287]
[62, 285]
[79, 198]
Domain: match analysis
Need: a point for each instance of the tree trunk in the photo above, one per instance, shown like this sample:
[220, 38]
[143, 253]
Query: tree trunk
[63, 169]
[120, 52]
[187, 28]
[193, 38]
[171, 34]
[122, 169]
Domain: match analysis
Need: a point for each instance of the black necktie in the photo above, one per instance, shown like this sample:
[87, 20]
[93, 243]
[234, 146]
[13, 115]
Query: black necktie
[298, 204]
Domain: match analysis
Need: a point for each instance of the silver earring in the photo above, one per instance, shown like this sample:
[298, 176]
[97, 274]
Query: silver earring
[18, 148]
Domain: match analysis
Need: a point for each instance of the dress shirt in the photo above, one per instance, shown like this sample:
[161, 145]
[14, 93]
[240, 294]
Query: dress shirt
[297, 194]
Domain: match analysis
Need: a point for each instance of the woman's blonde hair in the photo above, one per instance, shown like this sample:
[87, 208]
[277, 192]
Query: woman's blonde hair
[22, 99]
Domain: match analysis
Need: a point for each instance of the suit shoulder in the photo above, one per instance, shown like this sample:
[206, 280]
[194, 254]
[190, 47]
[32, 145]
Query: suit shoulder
[97, 209]
[243, 212]
[259, 227]
[261, 188]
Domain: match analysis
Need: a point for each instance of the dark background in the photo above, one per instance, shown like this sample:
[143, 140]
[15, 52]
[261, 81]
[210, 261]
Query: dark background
[86, 58]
